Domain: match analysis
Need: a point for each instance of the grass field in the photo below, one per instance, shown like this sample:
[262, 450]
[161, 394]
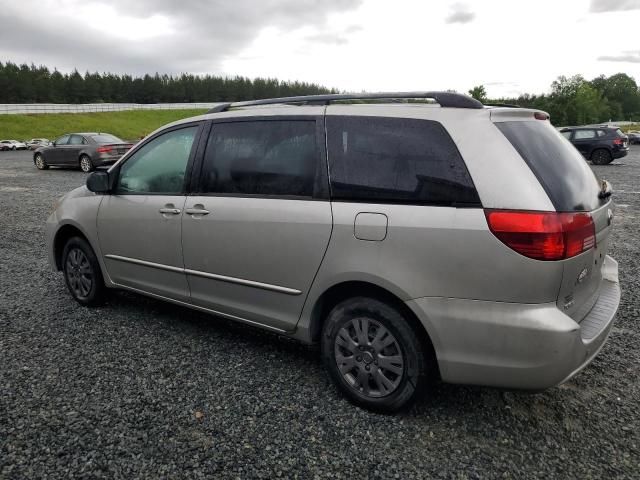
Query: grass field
[128, 125]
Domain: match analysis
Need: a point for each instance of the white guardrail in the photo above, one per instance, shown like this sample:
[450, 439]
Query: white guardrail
[34, 108]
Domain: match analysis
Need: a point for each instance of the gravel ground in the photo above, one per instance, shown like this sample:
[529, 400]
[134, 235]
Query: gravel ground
[144, 389]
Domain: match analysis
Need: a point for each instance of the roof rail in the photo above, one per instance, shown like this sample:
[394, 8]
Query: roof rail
[505, 105]
[444, 99]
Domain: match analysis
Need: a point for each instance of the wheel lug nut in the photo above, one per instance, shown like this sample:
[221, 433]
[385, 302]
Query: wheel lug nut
[359, 358]
[367, 367]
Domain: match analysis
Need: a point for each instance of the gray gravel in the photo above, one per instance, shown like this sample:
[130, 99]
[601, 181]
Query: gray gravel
[143, 389]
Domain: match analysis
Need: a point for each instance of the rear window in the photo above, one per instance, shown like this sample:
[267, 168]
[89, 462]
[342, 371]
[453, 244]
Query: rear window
[106, 138]
[560, 168]
[396, 160]
[619, 133]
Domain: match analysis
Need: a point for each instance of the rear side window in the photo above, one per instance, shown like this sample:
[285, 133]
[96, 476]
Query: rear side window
[569, 182]
[264, 157]
[396, 160]
[77, 140]
[104, 138]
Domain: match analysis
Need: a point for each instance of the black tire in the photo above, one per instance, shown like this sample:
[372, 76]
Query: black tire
[601, 156]
[40, 162]
[82, 273]
[387, 388]
[13, 148]
[86, 165]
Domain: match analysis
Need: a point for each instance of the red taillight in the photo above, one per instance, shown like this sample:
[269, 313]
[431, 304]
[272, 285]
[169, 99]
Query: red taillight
[543, 235]
[618, 141]
[104, 149]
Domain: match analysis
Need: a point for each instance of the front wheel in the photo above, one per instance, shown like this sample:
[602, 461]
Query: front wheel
[40, 163]
[85, 164]
[601, 157]
[373, 354]
[82, 273]
[13, 148]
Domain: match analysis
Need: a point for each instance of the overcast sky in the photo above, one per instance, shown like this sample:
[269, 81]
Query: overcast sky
[510, 46]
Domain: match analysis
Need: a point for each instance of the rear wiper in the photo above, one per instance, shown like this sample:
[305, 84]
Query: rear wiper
[605, 189]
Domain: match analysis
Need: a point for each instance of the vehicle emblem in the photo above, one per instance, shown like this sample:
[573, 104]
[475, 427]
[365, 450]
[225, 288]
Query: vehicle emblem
[609, 216]
[583, 275]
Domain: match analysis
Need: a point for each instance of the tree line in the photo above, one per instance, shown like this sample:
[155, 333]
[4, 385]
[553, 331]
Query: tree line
[37, 84]
[577, 101]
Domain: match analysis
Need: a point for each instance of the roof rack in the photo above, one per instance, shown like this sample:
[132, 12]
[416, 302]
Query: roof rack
[444, 99]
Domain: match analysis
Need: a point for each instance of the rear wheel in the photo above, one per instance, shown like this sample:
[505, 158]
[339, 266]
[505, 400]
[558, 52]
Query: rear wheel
[601, 157]
[82, 273]
[40, 162]
[373, 355]
[85, 163]
[13, 148]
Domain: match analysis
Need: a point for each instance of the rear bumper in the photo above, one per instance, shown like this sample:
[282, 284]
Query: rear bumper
[510, 345]
[620, 153]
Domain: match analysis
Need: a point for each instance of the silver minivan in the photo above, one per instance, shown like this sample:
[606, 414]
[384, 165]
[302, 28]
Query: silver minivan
[413, 236]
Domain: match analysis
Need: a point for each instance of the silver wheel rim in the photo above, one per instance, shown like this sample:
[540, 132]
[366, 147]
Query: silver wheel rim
[369, 357]
[79, 273]
[39, 161]
[85, 164]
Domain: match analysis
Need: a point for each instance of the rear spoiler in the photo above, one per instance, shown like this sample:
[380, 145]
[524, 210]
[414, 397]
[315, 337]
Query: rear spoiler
[508, 114]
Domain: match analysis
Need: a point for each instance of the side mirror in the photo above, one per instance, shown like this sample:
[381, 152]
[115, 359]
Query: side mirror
[98, 182]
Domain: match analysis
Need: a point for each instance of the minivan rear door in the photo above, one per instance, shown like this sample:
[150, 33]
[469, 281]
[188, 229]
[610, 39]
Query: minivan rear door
[572, 187]
[258, 224]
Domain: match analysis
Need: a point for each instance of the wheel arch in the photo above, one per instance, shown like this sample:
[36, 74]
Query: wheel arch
[348, 289]
[64, 233]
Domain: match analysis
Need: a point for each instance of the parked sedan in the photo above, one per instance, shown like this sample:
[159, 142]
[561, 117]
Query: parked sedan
[84, 150]
[634, 137]
[12, 145]
[37, 143]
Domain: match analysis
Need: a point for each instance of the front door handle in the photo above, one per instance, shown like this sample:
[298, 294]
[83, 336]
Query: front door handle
[172, 211]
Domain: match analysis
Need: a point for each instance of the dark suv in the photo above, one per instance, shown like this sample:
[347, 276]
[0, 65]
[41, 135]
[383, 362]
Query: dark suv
[598, 144]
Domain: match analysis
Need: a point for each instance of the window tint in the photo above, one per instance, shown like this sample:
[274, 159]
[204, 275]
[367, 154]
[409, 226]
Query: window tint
[396, 160]
[566, 134]
[77, 140]
[62, 140]
[159, 166]
[569, 182]
[105, 138]
[584, 134]
[269, 157]
[601, 133]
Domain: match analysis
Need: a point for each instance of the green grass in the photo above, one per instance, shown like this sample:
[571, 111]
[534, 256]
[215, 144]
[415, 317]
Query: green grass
[129, 125]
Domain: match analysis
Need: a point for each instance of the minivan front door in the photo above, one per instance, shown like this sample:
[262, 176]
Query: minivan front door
[254, 238]
[139, 224]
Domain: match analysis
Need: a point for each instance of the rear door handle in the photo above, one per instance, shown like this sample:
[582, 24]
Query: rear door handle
[196, 211]
[172, 211]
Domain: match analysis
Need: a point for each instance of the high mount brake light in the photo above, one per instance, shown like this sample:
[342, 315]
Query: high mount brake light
[543, 235]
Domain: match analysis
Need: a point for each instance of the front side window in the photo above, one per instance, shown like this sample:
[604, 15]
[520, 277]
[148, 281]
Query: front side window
[158, 166]
[62, 140]
[566, 134]
[396, 160]
[584, 134]
[265, 157]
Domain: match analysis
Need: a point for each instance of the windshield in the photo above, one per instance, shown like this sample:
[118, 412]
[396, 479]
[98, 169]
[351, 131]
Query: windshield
[560, 168]
[106, 138]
